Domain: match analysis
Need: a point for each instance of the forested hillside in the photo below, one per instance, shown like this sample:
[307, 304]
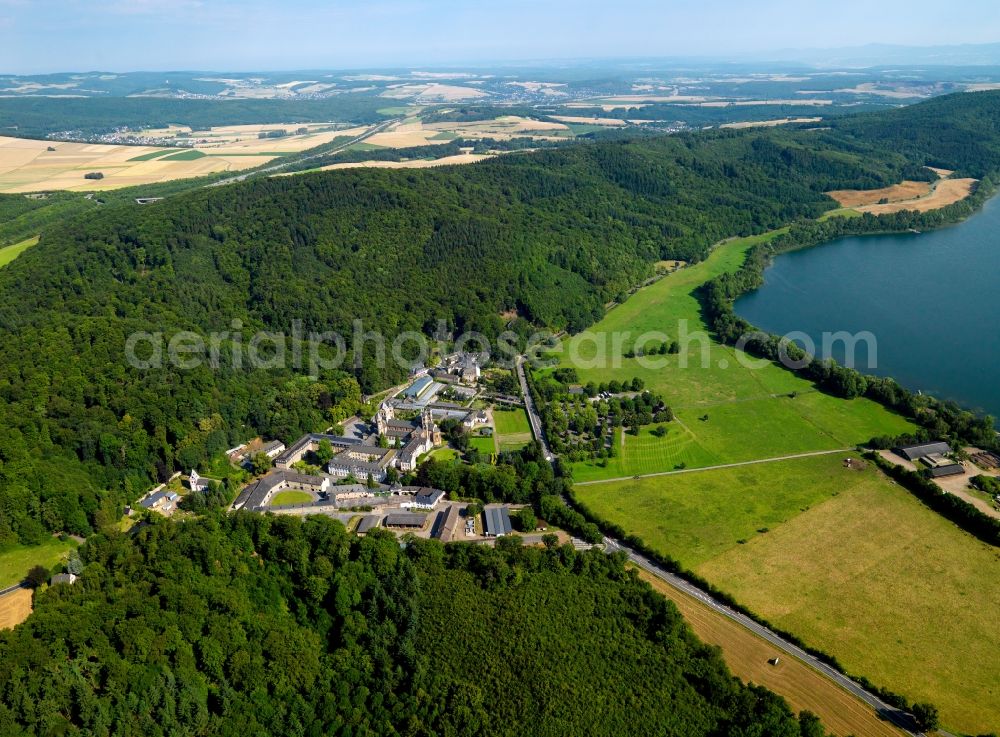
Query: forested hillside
[272, 625]
[552, 235]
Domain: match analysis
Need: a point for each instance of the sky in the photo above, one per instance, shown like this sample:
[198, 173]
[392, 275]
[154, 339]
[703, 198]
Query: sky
[244, 35]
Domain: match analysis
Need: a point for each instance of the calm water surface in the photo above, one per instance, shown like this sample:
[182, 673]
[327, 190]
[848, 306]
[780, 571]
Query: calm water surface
[931, 300]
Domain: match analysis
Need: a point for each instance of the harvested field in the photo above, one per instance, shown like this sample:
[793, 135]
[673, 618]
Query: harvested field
[14, 608]
[405, 135]
[947, 192]
[906, 190]
[412, 163]
[769, 123]
[887, 586]
[589, 121]
[801, 686]
[943, 173]
[433, 92]
[29, 166]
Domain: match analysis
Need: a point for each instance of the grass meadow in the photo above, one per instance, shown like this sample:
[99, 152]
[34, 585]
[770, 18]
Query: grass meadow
[846, 560]
[727, 411]
[512, 428]
[9, 253]
[15, 563]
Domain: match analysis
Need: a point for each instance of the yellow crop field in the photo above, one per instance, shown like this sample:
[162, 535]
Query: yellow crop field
[411, 163]
[30, 166]
[14, 608]
[947, 192]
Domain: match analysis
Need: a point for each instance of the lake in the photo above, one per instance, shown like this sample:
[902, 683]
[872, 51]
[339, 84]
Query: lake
[931, 300]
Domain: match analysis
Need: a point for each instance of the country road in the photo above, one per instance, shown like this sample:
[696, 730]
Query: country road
[532, 410]
[11, 589]
[791, 457]
[295, 160]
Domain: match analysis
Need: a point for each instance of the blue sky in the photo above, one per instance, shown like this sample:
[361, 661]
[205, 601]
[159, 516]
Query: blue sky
[236, 35]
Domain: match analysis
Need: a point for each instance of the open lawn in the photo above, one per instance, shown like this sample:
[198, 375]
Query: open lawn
[801, 686]
[891, 589]
[15, 563]
[729, 406]
[9, 253]
[14, 608]
[697, 516]
[442, 454]
[844, 559]
[483, 445]
[512, 428]
[291, 497]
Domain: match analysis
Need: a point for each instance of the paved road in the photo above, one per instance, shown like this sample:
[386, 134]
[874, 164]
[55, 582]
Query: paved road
[12, 589]
[529, 405]
[296, 160]
[890, 713]
[717, 467]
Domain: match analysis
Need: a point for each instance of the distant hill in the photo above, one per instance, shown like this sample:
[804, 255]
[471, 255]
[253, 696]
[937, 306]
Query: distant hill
[875, 55]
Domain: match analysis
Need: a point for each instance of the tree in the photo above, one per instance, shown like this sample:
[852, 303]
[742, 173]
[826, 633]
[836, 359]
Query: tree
[526, 520]
[36, 577]
[324, 452]
[260, 463]
[926, 716]
[370, 482]
[74, 565]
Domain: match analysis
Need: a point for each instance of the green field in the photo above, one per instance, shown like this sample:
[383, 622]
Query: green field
[152, 155]
[844, 559]
[482, 444]
[187, 155]
[442, 454]
[291, 497]
[14, 564]
[9, 253]
[754, 409]
[512, 428]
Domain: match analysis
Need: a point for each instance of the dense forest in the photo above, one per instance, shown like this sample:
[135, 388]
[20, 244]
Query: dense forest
[255, 624]
[551, 236]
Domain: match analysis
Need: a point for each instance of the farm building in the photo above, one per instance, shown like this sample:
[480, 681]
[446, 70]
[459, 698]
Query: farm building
[418, 387]
[497, 521]
[423, 498]
[368, 523]
[947, 469]
[405, 520]
[446, 524]
[916, 452]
